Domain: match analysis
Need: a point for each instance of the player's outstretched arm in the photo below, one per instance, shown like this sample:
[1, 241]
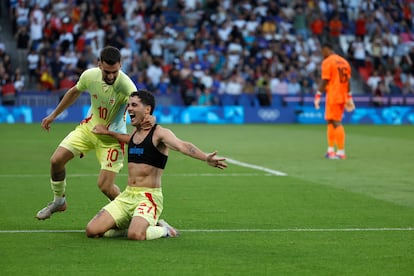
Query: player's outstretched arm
[173, 142]
[68, 99]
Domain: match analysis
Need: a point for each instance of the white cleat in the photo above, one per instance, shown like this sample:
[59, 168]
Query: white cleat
[51, 208]
[171, 231]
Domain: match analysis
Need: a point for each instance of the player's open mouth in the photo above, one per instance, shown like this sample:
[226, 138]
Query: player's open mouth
[132, 116]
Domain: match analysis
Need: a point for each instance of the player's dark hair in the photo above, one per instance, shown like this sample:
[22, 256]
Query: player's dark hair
[327, 45]
[147, 98]
[110, 55]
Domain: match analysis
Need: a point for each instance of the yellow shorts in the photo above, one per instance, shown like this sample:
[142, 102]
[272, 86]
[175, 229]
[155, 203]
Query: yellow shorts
[136, 201]
[108, 150]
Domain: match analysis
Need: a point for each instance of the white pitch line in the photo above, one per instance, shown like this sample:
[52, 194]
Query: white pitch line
[166, 174]
[260, 168]
[236, 230]
[229, 160]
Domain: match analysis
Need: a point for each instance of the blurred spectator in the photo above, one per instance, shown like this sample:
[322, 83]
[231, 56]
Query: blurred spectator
[7, 64]
[360, 26]
[2, 51]
[268, 28]
[126, 57]
[376, 52]
[8, 91]
[46, 81]
[187, 90]
[300, 23]
[19, 80]
[263, 91]
[32, 63]
[359, 52]
[154, 73]
[335, 26]
[380, 92]
[37, 23]
[317, 25]
[308, 87]
[250, 37]
[82, 64]
[66, 81]
[22, 14]
[234, 85]
[373, 81]
[294, 87]
[204, 96]
[408, 84]
[22, 46]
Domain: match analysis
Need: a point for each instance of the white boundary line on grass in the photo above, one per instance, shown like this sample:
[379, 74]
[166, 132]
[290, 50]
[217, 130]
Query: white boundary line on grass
[229, 160]
[123, 174]
[235, 230]
[255, 167]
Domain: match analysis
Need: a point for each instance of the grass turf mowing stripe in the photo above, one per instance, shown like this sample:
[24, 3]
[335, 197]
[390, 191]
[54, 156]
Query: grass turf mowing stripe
[237, 230]
[123, 174]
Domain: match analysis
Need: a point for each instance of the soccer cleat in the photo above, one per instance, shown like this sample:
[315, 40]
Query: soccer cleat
[331, 155]
[171, 231]
[340, 156]
[51, 208]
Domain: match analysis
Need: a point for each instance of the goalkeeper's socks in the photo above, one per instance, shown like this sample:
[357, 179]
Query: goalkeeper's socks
[340, 152]
[340, 137]
[331, 135]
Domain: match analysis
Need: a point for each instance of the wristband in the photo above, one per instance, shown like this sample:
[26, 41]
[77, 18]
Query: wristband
[349, 95]
[318, 95]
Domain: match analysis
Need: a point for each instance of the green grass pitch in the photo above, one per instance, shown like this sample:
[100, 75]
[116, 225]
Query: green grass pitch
[325, 217]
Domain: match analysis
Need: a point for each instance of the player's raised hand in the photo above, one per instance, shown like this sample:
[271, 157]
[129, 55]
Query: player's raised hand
[316, 103]
[46, 122]
[215, 161]
[350, 105]
[148, 122]
[100, 129]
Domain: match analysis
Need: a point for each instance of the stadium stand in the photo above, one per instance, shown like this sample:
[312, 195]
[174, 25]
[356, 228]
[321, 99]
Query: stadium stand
[263, 42]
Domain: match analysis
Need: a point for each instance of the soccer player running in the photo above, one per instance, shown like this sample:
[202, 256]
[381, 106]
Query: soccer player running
[136, 211]
[335, 81]
[109, 90]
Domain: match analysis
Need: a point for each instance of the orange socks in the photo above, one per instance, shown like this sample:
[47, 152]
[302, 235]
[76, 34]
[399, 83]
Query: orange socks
[336, 136]
[340, 137]
[331, 135]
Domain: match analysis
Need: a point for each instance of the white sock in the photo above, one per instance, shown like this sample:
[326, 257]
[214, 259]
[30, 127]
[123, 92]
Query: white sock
[341, 152]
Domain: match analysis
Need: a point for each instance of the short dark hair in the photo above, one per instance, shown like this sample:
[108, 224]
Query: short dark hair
[327, 45]
[147, 98]
[110, 55]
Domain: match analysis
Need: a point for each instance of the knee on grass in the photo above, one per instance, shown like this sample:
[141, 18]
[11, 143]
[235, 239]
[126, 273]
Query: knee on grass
[137, 235]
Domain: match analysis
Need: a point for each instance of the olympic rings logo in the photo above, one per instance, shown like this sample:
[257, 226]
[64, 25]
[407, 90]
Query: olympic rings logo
[268, 114]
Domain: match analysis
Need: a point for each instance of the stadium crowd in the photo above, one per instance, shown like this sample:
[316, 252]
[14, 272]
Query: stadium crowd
[201, 49]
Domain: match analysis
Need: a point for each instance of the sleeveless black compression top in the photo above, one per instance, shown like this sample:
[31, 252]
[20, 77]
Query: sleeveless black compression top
[145, 152]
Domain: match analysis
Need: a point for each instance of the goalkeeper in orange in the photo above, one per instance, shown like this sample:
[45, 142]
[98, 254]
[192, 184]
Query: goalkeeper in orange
[335, 82]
